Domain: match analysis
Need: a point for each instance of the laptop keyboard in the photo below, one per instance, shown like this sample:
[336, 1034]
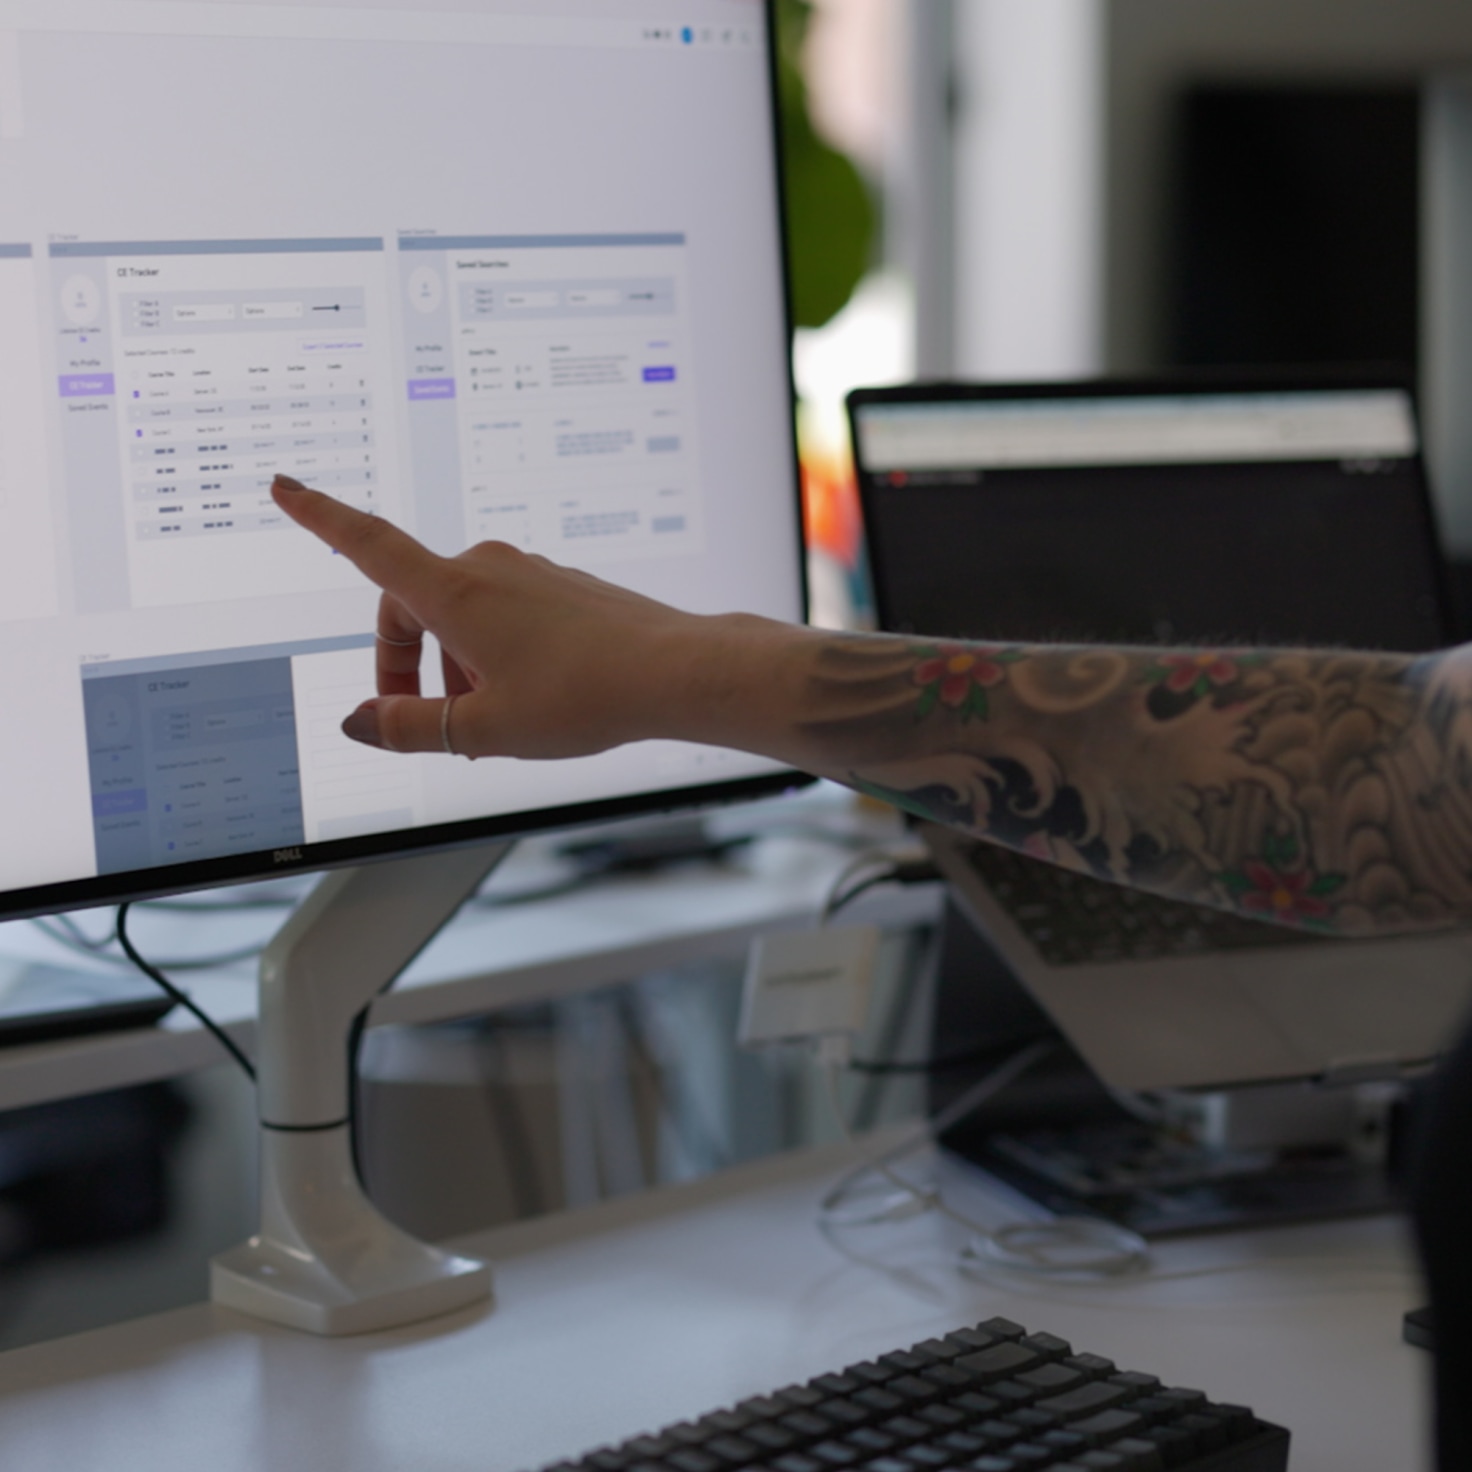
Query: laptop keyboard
[1073, 919]
[990, 1399]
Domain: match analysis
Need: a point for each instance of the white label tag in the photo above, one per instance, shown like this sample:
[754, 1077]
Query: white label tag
[808, 984]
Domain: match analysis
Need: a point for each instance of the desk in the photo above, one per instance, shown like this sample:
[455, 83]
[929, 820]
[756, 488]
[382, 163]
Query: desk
[643, 1311]
[485, 959]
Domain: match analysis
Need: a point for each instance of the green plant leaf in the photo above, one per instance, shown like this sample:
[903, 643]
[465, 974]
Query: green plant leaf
[928, 698]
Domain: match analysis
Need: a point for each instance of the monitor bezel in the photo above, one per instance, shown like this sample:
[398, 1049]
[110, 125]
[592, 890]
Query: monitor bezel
[161, 880]
[1183, 383]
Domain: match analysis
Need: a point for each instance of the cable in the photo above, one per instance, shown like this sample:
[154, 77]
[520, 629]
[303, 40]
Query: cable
[182, 998]
[1064, 1247]
[853, 880]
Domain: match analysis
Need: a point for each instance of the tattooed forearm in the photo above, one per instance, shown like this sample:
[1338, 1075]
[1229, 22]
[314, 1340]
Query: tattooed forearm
[1321, 788]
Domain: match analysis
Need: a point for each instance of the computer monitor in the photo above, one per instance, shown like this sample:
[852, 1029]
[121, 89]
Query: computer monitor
[492, 268]
[501, 269]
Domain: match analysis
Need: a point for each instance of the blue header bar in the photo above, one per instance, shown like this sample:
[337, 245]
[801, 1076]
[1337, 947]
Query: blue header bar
[163, 663]
[72, 248]
[15, 252]
[532, 242]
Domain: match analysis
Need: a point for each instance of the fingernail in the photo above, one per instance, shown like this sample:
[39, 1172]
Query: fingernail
[286, 483]
[363, 726]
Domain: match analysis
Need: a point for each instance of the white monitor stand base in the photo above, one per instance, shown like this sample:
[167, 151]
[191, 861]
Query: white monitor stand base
[325, 1260]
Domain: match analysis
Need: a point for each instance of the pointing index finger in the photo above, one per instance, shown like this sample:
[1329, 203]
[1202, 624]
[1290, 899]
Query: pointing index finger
[377, 548]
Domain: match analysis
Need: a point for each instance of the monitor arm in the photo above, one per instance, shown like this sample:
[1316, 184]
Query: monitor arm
[325, 1259]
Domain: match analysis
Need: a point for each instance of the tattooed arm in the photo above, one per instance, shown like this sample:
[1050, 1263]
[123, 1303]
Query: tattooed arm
[1328, 789]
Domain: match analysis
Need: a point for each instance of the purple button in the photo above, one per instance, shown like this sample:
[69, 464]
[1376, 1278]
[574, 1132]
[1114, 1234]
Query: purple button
[659, 375]
[86, 385]
[111, 804]
[431, 388]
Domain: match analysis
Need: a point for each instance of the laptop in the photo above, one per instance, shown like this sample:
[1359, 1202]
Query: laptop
[1278, 511]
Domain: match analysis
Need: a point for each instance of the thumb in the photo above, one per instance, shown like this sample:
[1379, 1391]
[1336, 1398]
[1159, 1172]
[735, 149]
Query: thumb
[403, 723]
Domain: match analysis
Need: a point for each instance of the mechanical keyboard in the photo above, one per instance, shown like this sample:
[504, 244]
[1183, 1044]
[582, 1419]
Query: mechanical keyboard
[990, 1399]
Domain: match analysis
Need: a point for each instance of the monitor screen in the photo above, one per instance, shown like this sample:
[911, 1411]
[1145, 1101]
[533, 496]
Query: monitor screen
[1286, 516]
[500, 269]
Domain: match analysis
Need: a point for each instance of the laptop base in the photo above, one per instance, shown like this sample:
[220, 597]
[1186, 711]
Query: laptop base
[1059, 1136]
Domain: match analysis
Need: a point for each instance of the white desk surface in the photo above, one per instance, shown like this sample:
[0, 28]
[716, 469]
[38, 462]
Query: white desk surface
[627, 1316]
[610, 932]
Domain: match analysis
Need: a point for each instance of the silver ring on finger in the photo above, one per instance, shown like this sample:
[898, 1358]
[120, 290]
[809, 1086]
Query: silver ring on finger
[445, 710]
[400, 643]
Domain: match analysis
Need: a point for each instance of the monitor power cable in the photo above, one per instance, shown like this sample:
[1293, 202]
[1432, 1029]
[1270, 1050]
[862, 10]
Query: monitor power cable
[179, 996]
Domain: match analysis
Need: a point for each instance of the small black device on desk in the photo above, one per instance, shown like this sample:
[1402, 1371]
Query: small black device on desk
[40, 1003]
[990, 1399]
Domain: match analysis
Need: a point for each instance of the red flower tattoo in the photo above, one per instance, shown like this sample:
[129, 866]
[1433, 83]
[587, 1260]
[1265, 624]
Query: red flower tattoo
[1278, 887]
[958, 677]
[1197, 674]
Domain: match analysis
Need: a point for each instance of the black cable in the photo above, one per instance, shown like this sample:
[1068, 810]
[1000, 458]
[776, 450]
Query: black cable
[182, 998]
[943, 1064]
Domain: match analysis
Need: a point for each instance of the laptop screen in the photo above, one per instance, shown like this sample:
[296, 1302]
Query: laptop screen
[1099, 513]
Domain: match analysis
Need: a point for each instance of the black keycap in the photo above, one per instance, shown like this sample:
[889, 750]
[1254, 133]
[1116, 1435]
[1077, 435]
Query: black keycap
[944, 1417]
[843, 1413]
[999, 1362]
[796, 1462]
[1140, 1456]
[993, 1464]
[1029, 1454]
[1033, 1421]
[692, 1459]
[939, 1350]
[1099, 1462]
[1107, 1426]
[800, 1396]
[948, 1377]
[903, 1361]
[914, 1388]
[806, 1425]
[1191, 1400]
[1135, 1380]
[963, 1443]
[732, 1421]
[868, 1440]
[1002, 1329]
[1095, 1366]
[966, 1340]
[685, 1433]
[1049, 1345]
[1011, 1394]
[834, 1453]
[974, 1403]
[925, 1454]
[880, 1402]
[1053, 1379]
[763, 1407]
[735, 1451]
[607, 1460]
[1239, 1421]
[871, 1372]
[887, 1464]
[999, 1433]
[905, 1428]
[648, 1448]
[1156, 1409]
[1176, 1446]
[1086, 1399]
[770, 1437]
[1210, 1433]
[1069, 1443]
[836, 1385]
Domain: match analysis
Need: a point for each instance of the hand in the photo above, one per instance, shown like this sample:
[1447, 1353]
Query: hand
[539, 660]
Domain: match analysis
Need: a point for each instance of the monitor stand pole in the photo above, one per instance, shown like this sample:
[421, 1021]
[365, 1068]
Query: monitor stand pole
[325, 1260]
